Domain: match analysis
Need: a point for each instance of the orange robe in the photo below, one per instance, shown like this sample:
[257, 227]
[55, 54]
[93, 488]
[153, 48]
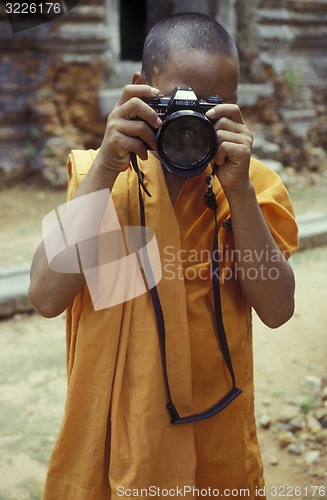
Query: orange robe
[116, 436]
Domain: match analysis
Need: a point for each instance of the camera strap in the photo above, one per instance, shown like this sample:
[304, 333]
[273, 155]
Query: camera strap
[210, 201]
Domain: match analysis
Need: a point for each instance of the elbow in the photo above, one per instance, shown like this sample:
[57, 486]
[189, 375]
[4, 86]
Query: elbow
[43, 305]
[278, 317]
[281, 305]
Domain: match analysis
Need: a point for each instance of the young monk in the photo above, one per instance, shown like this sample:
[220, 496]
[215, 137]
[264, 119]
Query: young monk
[117, 437]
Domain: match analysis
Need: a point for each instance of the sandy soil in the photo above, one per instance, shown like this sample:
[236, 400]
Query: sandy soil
[283, 357]
[32, 358]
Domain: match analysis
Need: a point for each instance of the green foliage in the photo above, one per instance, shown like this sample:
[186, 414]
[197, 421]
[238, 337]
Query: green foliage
[34, 133]
[31, 149]
[308, 404]
[292, 80]
[31, 144]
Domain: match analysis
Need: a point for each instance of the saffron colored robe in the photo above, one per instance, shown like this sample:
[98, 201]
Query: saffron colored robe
[116, 437]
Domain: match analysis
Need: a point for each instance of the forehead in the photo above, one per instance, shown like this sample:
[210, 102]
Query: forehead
[207, 74]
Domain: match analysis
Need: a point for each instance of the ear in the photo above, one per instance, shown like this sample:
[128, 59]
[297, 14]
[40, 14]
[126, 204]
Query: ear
[139, 79]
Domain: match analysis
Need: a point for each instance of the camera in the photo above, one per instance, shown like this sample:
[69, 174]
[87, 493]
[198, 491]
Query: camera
[187, 140]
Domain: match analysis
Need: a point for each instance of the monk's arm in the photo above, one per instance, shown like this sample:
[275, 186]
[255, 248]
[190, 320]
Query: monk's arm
[268, 283]
[265, 276]
[50, 292]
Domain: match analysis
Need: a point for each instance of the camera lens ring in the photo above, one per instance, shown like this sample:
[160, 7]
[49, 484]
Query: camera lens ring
[184, 135]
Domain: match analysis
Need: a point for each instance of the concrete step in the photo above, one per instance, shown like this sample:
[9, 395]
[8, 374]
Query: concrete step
[299, 121]
[312, 230]
[13, 290]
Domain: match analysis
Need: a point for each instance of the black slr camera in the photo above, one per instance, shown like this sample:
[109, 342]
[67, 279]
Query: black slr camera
[187, 140]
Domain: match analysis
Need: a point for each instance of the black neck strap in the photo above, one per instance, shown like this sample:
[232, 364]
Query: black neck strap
[210, 201]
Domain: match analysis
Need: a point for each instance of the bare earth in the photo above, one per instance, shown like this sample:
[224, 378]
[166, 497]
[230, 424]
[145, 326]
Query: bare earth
[32, 359]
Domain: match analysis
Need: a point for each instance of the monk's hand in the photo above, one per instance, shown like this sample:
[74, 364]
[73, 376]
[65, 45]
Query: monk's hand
[235, 146]
[129, 128]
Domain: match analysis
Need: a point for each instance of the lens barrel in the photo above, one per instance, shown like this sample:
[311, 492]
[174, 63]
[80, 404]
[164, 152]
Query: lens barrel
[186, 143]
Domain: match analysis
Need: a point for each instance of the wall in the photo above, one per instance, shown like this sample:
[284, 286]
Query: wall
[51, 76]
[292, 53]
[49, 79]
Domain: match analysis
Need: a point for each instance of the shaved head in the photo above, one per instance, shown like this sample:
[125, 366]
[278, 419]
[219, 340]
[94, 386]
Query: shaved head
[184, 32]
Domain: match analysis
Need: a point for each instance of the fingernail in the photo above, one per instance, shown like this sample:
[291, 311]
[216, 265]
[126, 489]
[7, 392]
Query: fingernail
[211, 112]
[154, 91]
[159, 122]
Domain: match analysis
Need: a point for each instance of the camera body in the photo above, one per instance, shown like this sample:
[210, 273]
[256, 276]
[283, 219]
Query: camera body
[187, 140]
[181, 99]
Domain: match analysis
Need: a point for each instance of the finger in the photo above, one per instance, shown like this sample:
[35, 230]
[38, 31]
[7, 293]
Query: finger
[235, 153]
[138, 129]
[231, 111]
[135, 108]
[137, 91]
[235, 138]
[139, 148]
[225, 123]
[125, 144]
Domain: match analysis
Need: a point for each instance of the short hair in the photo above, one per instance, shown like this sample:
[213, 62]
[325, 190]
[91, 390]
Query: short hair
[184, 31]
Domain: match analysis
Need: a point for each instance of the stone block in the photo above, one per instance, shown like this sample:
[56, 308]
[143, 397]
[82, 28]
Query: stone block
[13, 291]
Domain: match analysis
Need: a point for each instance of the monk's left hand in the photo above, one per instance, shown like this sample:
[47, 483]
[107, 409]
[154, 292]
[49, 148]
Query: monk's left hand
[235, 146]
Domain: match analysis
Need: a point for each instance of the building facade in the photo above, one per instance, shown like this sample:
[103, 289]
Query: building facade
[55, 78]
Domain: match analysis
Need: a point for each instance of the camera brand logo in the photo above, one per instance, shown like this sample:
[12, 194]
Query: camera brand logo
[85, 236]
[23, 14]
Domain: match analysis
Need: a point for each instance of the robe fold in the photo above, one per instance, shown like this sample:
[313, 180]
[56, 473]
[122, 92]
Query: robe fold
[116, 436]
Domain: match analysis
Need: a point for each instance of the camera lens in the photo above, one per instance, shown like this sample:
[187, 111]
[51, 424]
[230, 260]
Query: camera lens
[187, 143]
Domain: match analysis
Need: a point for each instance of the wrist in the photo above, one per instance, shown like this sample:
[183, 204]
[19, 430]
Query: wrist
[102, 170]
[240, 194]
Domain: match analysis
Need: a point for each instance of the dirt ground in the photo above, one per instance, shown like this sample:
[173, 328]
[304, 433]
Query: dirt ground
[32, 358]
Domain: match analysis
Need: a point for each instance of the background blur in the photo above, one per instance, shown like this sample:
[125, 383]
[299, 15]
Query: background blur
[58, 82]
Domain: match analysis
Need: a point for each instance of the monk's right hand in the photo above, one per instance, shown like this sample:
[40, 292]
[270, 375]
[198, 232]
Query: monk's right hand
[128, 128]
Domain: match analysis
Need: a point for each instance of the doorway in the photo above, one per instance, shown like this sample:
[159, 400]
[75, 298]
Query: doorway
[132, 29]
